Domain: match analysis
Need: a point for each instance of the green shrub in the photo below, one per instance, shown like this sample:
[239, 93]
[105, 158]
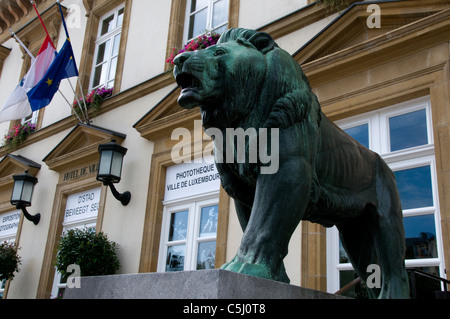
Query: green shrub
[9, 260]
[91, 251]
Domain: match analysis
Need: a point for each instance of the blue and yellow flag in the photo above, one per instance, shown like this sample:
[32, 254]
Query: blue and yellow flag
[63, 67]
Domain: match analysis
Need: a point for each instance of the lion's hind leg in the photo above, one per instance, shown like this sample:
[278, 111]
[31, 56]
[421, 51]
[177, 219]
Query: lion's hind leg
[391, 251]
[389, 236]
[357, 240]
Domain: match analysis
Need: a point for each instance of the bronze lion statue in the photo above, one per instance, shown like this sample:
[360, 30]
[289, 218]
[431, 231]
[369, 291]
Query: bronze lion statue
[324, 176]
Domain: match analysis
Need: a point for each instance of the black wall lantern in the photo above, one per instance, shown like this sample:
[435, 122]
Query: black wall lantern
[110, 168]
[22, 194]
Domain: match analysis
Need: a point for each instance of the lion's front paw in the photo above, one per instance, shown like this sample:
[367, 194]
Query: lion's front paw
[233, 266]
[256, 270]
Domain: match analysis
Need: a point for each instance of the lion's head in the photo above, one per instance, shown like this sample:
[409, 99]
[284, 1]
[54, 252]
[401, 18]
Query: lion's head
[245, 80]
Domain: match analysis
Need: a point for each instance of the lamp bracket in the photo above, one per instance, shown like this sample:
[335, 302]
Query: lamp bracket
[123, 198]
[32, 218]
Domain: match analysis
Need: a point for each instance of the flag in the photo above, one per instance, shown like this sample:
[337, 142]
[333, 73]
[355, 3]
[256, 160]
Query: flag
[63, 67]
[43, 61]
[17, 105]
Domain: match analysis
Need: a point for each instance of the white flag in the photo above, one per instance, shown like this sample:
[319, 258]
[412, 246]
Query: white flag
[17, 105]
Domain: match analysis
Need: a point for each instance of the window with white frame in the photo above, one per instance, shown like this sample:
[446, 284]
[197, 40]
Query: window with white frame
[9, 224]
[80, 213]
[107, 49]
[402, 134]
[190, 216]
[2, 287]
[205, 15]
[189, 236]
[32, 119]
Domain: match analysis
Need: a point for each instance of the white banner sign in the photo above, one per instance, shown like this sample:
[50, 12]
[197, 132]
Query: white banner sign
[9, 223]
[190, 179]
[82, 205]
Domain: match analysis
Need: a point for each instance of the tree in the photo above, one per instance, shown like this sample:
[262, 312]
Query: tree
[91, 251]
[9, 260]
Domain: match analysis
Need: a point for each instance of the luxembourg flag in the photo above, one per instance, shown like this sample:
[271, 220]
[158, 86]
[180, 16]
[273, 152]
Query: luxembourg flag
[17, 105]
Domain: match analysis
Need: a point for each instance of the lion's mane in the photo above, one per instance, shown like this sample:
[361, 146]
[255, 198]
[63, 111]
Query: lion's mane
[285, 98]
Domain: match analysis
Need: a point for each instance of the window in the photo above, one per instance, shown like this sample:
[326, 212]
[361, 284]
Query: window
[59, 284]
[32, 119]
[190, 217]
[80, 212]
[205, 15]
[189, 236]
[107, 49]
[402, 135]
[9, 224]
[2, 287]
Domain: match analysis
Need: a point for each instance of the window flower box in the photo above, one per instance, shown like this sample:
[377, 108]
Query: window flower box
[201, 42]
[18, 134]
[93, 100]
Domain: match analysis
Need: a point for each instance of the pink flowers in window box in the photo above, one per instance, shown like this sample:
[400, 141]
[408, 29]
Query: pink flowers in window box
[93, 100]
[18, 134]
[198, 43]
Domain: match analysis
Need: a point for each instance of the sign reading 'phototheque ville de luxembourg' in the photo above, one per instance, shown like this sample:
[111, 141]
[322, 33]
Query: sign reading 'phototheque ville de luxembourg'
[190, 179]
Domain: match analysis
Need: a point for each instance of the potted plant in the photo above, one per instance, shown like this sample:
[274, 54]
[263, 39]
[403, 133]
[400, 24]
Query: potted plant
[93, 100]
[201, 42]
[9, 260]
[93, 252]
[18, 134]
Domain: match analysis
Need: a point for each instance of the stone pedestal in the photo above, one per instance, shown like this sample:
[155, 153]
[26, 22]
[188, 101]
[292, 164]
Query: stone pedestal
[204, 284]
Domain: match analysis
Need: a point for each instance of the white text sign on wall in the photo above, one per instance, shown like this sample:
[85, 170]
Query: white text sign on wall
[190, 179]
[9, 223]
[83, 205]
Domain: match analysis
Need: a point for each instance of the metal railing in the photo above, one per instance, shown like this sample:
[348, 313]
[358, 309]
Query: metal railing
[348, 286]
[412, 271]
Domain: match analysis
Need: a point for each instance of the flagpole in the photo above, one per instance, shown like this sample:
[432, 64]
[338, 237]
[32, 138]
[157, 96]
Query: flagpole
[23, 45]
[42, 22]
[86, 118]
[62, 17]
[88, 122]
[70, 105]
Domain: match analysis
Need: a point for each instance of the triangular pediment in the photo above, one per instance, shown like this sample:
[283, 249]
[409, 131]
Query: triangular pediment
[16, 164]
[166, 107]
[80, 145]
[166, 116]
[357, 24]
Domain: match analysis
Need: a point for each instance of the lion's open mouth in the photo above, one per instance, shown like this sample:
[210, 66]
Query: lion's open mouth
[190, 90]
[188, 81]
